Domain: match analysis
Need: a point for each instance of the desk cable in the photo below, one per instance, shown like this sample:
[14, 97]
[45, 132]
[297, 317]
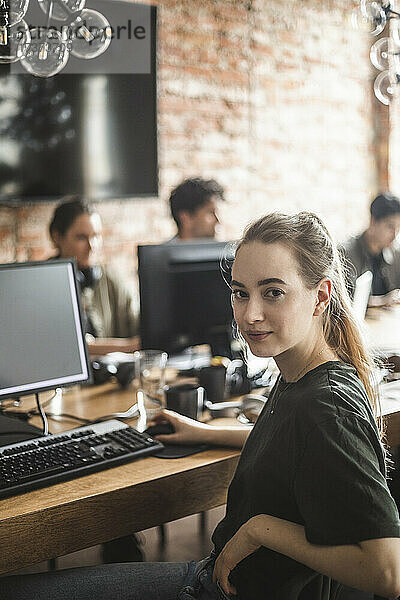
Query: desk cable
[26, 415]
[42, 414]
[130, 413]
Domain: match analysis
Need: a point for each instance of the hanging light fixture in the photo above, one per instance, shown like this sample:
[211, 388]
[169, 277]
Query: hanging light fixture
[373, 17]
[44, 51]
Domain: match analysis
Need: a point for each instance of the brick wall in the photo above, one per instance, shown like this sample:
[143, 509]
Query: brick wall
[272, 98]
[394, 156]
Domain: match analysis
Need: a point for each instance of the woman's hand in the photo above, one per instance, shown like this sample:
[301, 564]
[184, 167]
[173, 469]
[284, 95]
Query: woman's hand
[187, 431]
[239, 546]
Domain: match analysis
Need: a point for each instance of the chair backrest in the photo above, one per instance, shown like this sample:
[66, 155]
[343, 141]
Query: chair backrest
[362, 293]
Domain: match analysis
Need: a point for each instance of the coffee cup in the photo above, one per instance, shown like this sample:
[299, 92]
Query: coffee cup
[186, 399]
[212, 379]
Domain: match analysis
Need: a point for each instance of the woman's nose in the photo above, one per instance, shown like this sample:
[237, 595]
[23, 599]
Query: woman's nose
[254, 311]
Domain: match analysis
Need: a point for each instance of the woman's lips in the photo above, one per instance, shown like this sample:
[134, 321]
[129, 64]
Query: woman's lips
[257, 336]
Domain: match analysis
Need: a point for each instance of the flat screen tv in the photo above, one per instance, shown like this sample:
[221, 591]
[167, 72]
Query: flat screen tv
[89, 130]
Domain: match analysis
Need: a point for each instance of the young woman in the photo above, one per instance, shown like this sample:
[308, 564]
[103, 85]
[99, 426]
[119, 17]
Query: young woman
[111, 319]
[308, 506]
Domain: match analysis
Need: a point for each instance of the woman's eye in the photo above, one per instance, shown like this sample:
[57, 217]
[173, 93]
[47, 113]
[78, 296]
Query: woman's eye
[238, 294]
[274, 293]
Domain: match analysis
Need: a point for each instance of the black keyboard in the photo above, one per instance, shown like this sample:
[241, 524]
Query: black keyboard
[53, 458]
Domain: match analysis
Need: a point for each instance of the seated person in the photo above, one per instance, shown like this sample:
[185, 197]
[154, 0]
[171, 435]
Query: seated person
[308, 509]
[373, 251]
[193, 206]
[110, 320]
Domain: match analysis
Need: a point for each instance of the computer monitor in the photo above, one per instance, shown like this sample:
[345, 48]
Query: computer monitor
[184, 300]
[42, 343]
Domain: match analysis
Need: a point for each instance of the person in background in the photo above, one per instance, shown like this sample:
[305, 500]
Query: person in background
[193, 206]
[373, 251]
[111, 322]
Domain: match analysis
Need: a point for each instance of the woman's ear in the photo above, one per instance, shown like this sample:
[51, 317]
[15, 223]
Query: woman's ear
[324, 291]
[55, 238]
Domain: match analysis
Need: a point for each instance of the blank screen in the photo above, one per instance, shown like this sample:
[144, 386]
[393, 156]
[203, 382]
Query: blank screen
[41, 335]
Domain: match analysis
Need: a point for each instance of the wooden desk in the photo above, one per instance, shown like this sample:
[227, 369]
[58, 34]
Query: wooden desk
[382, 329]
[80, 513]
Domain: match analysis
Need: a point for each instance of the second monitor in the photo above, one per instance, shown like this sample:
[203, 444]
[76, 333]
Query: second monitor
[184, 299]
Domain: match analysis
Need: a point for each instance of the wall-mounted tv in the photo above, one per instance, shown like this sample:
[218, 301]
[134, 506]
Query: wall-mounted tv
[89, 130]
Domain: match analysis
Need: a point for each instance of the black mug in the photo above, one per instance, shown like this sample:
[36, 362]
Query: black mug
[186, 399]
[213, 381]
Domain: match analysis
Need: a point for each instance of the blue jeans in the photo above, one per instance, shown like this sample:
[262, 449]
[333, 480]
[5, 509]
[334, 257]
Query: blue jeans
[125, 581]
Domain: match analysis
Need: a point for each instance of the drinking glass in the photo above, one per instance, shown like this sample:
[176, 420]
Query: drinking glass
[151, 374]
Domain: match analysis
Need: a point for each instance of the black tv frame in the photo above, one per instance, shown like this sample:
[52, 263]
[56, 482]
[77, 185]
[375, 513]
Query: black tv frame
[16, 201]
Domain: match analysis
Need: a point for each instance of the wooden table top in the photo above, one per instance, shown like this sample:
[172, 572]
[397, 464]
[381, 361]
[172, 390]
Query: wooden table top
[382, 329]
[76, 514]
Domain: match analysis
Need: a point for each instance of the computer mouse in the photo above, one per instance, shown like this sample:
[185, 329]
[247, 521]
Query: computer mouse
[160, 429]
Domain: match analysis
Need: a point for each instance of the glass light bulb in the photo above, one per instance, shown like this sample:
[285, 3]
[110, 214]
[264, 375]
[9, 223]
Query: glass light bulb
[12, 11]
[4, 22]
[384, 87]
[62, 10]
[17, 45]
[48, 53]
[18, 10]
[371, 18]
[90, 34]
[379, 54]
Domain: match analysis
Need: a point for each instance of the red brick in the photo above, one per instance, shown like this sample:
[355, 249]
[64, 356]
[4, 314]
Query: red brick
[241, 99]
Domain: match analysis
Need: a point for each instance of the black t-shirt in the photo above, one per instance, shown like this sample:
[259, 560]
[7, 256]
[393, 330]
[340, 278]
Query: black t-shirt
[314, 457]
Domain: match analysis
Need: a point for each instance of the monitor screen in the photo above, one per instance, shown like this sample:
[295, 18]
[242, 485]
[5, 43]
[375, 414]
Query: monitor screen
[184, 298]
[42, 344]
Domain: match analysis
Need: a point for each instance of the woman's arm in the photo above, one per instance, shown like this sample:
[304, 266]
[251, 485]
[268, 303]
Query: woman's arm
[188, 431]
[372, 565]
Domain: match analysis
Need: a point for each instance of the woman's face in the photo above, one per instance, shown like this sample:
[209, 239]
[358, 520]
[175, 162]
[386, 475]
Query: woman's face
[272, 307]
[81, 240]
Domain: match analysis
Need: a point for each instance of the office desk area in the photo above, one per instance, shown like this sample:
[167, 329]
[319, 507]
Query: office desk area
[382, 328]
[77, 514]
